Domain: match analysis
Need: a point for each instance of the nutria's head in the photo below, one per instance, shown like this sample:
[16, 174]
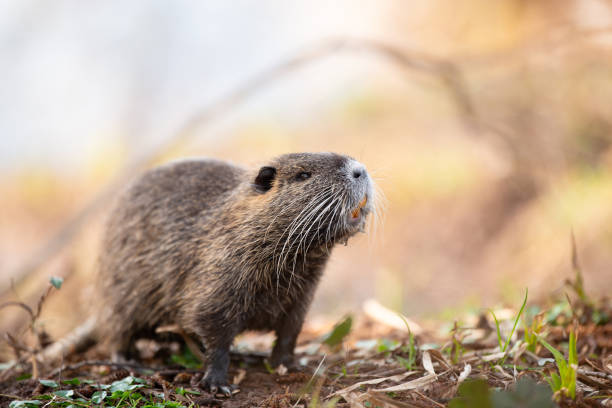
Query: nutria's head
[313, 199]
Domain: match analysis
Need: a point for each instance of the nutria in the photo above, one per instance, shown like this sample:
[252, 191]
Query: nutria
[219, 249]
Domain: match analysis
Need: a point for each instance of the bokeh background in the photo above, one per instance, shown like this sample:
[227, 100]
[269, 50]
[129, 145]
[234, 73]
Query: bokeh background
[491, 145]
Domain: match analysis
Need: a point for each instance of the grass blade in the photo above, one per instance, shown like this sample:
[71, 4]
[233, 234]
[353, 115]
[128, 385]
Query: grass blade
[499, 339]
[518, 316]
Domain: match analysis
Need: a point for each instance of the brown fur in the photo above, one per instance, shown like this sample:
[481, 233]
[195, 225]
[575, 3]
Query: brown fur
[218, 249]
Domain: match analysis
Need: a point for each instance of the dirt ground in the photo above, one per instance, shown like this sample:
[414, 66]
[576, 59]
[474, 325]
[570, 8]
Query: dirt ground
[371, 365]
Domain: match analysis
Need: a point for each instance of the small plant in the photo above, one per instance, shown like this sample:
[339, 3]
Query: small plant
[559, 314]
[41, 337]
[564, 383]
[386, 346]
[525, 393]
[456, 349]
[533, 331]
[503, 347]
[269, 367]
[119, 399]
[410, 348]
[182, 391]
[578, 283]
[186, 359]
[121, 394]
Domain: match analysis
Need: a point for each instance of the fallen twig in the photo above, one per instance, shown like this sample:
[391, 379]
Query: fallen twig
[595, 374]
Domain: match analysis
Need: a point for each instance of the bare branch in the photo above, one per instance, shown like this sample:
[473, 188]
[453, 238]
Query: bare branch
[19, 304]
[444, 70]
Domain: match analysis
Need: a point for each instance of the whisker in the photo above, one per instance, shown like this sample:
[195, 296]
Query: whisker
[301, 236]
[297, 222]
[305, 221]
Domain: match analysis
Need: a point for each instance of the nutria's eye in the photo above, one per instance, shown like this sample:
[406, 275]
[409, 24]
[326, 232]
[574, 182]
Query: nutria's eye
[303, 175]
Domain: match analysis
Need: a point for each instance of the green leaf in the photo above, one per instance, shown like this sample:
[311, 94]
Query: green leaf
[600, 317]
[49, 383]
[98, 397]
[504, 347]
[56, 282]
[407, 364]
[186, 359]
[472, 394]
[64, 393]
[387, 345]
[74, 381]
[558, 309]
[127, 384]
[499, 338]
[183, 391]
[555, 381]
[526, 393]
[118, 394]
[269, 368]
[572, 357]
[24, 404]
[339, 332]
[556, 354]
[518, 316]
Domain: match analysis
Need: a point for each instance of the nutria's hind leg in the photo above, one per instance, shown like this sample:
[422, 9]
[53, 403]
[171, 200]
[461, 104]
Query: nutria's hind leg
[286, 338]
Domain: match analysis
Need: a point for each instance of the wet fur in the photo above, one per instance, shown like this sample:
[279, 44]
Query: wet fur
[218, 249]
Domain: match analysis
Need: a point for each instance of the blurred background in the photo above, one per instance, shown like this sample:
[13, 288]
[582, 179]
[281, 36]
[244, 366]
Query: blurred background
[489, 133]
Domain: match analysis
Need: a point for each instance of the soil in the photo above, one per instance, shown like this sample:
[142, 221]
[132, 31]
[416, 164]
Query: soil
[373, 355]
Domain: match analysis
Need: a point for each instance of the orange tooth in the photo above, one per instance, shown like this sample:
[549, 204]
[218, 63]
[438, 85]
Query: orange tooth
[362, 204]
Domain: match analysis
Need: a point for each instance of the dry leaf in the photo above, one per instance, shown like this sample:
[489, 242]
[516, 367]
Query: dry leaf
[465, 373]
[411, 385]
[397, 377]
[427, 364]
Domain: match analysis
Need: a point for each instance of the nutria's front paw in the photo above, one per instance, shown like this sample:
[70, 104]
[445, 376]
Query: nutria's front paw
[217, 384]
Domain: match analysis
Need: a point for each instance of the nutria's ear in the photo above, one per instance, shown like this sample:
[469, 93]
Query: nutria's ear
[263, 181]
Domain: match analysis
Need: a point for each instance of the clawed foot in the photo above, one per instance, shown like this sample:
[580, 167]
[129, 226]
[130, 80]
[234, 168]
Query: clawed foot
[217, 385]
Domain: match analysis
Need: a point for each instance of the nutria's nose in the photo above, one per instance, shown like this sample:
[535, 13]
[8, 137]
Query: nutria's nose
[357, 170]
